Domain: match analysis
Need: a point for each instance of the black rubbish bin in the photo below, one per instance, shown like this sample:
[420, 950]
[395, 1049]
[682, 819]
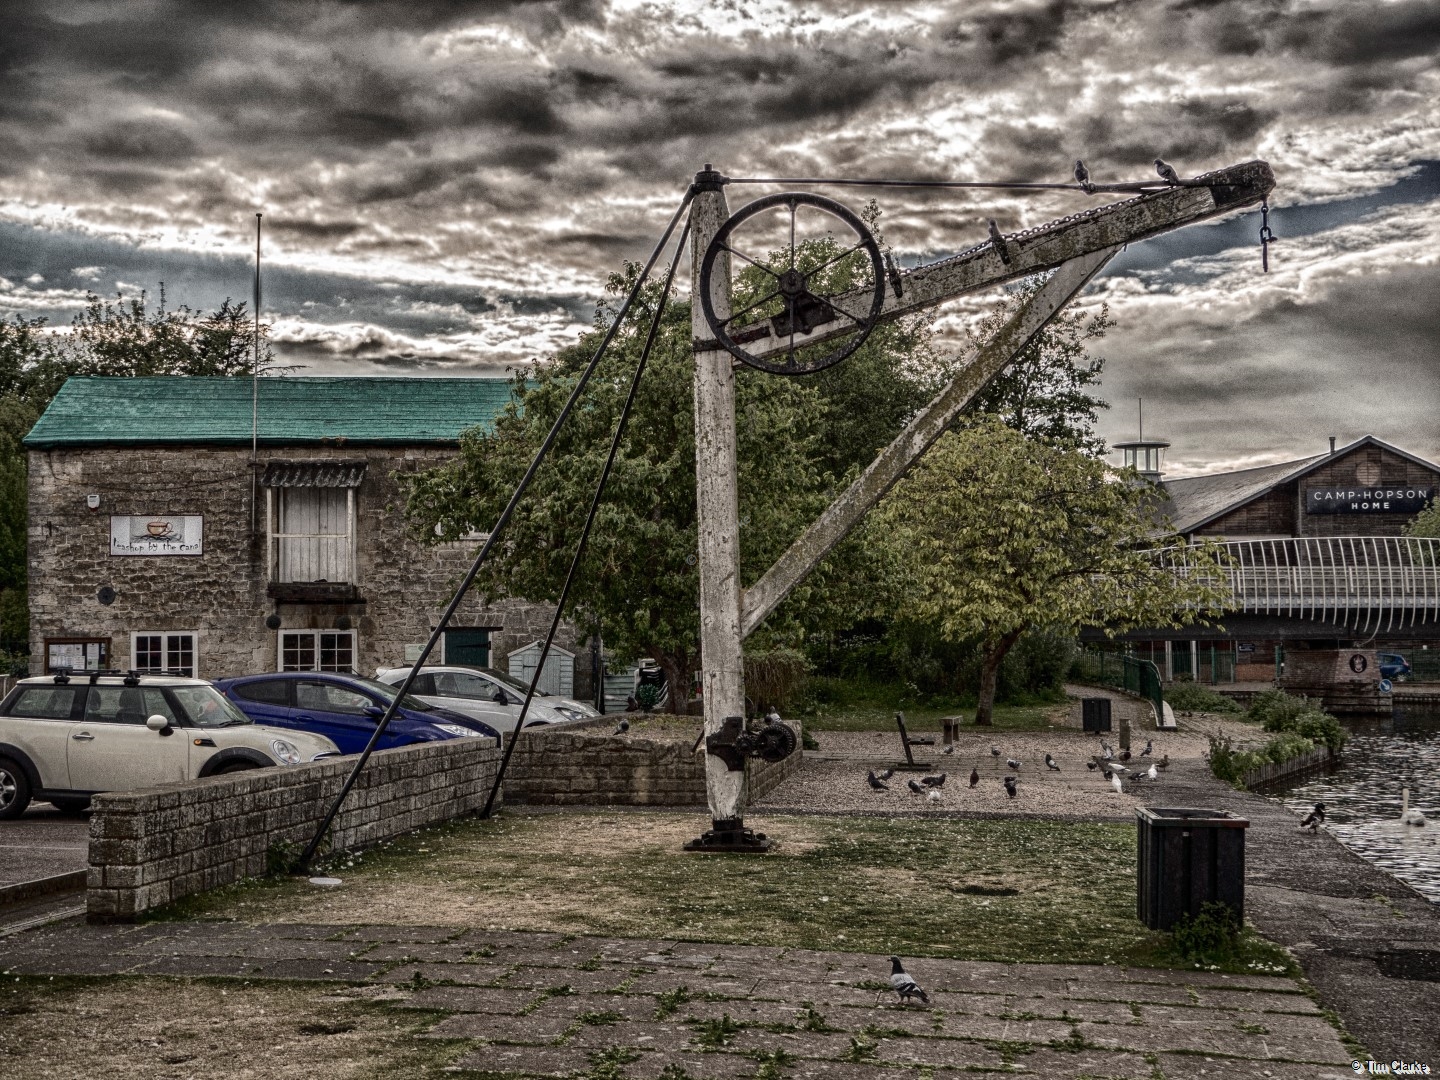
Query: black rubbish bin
[1095, 713]
[1187, 857]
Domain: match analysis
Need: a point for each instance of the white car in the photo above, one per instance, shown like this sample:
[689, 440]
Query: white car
[64, 737]
[487, 695]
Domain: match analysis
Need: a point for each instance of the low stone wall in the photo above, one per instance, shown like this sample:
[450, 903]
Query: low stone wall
[156, 845]
[582, 768]
[1319, 758]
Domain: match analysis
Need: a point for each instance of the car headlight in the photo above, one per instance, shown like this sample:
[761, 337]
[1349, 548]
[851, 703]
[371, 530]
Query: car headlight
[568, 713]
[287, 752]
[456, 729]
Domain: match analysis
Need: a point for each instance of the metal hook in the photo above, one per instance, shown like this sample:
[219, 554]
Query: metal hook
[1266, 236]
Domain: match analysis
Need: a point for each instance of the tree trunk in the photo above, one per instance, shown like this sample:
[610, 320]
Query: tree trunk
[989, 675]
[678, 669]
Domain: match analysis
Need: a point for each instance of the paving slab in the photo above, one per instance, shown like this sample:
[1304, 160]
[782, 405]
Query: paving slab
[498, 1028]
[469, 999]
[527, 1060]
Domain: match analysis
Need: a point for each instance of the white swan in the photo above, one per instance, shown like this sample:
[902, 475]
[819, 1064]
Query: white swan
[1408, 816]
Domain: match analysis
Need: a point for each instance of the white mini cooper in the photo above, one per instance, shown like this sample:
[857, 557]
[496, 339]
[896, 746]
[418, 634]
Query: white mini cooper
[64, 738]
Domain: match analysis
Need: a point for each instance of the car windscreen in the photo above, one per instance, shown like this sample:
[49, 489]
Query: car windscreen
[387, 693]
[512, 682]
[207, 707]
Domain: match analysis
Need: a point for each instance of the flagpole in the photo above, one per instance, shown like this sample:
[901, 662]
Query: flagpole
[255, 394]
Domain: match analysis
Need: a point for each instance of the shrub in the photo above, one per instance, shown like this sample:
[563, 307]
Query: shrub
[1282, 713]
[1195, 698]
[1211, 937]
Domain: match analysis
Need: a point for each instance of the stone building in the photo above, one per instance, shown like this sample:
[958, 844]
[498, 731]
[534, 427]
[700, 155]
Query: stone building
[159, 539]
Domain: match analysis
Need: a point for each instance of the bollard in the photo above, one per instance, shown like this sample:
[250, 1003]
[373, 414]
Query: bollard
[1125, 729]
[948, 725]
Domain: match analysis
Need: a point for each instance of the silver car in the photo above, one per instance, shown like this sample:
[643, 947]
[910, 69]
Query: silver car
[487, 695]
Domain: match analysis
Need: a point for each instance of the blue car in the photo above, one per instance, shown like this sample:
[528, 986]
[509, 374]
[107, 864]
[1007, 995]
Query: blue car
[344, 708]
[1393, 666]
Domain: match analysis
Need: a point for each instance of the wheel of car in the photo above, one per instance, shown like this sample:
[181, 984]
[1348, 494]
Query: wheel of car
[235, 766]
[14, 790]
[71, 806]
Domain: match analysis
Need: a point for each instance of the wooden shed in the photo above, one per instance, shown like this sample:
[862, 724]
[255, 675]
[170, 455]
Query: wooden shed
[558, 676]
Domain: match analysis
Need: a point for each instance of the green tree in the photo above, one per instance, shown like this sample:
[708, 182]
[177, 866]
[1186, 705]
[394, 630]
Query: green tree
[1046, 392]
[993, 533]
[1427, 522]
[797, 440]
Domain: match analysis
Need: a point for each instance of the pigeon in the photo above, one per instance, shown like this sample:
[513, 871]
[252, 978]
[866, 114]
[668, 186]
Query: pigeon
[1115, 783]
[1151, 774]
[1124, 755]
[1108, 754]
[915, 788]
[997, 241]
[1315, 818]
[1149, 746]
[1167, 172]
[1119, 770]
[886, 774]
[1010, 786]
[1012, 763]
[949, 749]
[624, 727]
[994, 751]
[1050, 764]
[1091, 766]
[903, 984]
[932, 795]
[974, 777]
[876, 783]
[1105, 746]
[1164, 762]
[933, 781]
[1082, 174]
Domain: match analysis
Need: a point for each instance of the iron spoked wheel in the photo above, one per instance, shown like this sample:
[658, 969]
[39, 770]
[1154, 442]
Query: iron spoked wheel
[812, 291]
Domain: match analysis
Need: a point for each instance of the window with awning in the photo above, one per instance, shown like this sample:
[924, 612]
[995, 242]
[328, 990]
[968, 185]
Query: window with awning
[310, 509]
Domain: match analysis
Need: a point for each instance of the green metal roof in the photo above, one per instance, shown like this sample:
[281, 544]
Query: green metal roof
[194, 409]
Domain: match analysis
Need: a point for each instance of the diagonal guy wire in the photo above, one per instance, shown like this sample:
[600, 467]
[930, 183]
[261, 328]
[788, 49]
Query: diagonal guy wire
[590, 518]
[302, 865]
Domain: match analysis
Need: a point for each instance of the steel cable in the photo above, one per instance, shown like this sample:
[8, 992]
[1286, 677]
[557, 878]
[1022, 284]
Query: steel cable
[302, 864]
[589, 518]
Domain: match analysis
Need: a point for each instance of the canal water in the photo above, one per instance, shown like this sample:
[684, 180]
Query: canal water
[1362, 796]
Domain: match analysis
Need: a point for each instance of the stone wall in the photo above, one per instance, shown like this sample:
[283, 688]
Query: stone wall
[150, 847]
[585, 768]
[402, 585]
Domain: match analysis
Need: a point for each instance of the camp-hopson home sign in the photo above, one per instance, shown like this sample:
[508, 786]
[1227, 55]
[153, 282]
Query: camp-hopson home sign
[1396, 499]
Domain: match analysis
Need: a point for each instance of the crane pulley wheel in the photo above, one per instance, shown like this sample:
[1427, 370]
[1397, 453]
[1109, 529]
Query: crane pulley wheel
[797, 309]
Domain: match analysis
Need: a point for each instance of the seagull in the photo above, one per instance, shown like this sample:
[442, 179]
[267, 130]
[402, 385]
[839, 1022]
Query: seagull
[624, 727]
[1012, 763]
[1050, 763]
[974, 777]
[1082, 174]
[915, 788]
[903, 984]
[886, 774]
[994, 751]
[1151, 774]
[932, 795]
[1149, 746]
[1315, 818]
[1119, 770]
[1167, 172]
[1091, 766]
[933, 781]
[876, 783]
[1105, 746]
[1115, 783]
[1010, 786]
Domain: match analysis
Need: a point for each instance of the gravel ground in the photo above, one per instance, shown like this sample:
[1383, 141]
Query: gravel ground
[833, 780]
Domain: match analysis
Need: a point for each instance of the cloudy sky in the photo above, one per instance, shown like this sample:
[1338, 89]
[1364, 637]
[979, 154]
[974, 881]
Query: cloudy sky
[446, 184]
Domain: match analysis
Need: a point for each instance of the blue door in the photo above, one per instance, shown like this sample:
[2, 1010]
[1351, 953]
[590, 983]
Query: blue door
[266, 701]
[339, 713]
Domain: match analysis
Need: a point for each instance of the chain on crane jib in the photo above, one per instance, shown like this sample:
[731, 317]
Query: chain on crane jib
[796, 302]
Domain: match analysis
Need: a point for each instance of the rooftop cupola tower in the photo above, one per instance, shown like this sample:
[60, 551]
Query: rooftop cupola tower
[1144, 455]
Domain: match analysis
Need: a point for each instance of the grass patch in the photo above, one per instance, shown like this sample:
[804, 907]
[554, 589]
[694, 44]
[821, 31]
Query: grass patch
[879, 716]
[1192, 697]
[973, 890]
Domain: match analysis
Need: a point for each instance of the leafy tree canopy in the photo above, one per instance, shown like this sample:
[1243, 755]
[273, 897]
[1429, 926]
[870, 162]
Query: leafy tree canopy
[993, 533]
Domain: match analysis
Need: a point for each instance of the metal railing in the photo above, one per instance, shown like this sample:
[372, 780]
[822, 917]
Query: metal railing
[1380, 582]
[1125, 672]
